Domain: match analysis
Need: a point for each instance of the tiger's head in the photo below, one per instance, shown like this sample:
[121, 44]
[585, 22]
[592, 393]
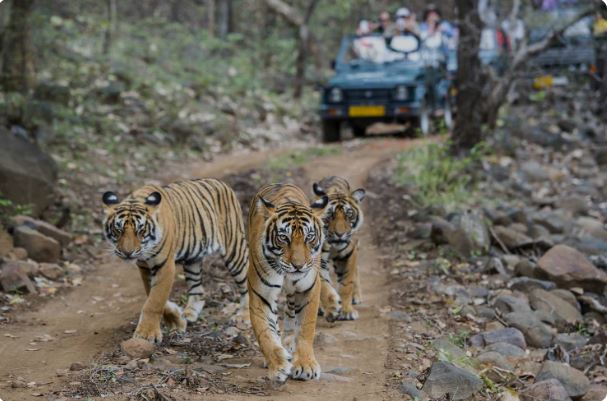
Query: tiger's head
[131, 225]
[342, 215]
[293, 235]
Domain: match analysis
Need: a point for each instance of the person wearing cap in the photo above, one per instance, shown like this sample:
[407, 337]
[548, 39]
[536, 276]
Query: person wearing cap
[406, 22]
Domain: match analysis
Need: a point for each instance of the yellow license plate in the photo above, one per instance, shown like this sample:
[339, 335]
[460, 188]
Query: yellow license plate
[367, 111]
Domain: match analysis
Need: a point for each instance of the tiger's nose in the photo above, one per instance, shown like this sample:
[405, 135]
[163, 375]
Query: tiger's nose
[298, 265]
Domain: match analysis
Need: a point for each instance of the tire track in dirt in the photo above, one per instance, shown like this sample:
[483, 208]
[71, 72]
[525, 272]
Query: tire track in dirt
[111, 296]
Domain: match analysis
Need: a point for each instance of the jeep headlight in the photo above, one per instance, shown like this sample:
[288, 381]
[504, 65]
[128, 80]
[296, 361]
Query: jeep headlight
[336, 95]
[401, 93]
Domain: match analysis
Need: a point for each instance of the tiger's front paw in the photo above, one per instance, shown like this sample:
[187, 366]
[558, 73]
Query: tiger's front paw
[173, 318]
[279, 366]
[348, 314]
[149, 331]
[305, 369]
[357, 300]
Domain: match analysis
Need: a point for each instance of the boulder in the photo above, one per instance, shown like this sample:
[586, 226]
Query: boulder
[467, 233]
[43, 227]
[550, 389]
[14, 278]
[591, 226]
[38, 246]
[6, 243]
[27, 175]
[27, 266]
[566, 296]
[446, 378]
[511, 303]
[507, 335]
[528, 284]
[569, 268]
[506, 349]
[597, 392]
[570, 341]
[537, 333]
[572, 379]
[563, 312]
[51, 271]
[553, 221]
[510, 237]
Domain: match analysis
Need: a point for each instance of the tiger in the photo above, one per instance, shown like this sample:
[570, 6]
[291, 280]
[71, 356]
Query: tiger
[285, 240]
[180, 223]
[342, 218]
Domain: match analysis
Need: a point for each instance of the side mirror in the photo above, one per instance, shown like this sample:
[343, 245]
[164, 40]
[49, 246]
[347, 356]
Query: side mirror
[333, 64]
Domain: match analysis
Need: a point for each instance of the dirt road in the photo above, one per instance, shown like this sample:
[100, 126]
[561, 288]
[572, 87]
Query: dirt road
[93, 317]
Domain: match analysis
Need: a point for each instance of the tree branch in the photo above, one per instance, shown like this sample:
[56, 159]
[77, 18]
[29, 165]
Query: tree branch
[290, 14]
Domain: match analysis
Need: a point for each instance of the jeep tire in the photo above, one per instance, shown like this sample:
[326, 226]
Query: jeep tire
[359, 130]
[331, 130]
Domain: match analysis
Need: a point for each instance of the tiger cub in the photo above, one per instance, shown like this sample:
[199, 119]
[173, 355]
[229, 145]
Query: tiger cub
[342, 218]
[178, 223]
[285, 241]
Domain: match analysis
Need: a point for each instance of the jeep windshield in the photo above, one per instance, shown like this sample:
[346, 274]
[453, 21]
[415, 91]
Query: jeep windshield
[376, 50]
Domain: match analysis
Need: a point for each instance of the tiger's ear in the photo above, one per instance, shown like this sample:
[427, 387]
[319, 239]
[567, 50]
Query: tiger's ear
[318, 189]
[110, 199]
[318, 206]
[359, 194]
[153, 199]
[266, 204]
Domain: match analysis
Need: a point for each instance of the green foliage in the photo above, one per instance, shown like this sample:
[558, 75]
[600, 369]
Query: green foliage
[9, 209]
[298, 158]
[440, 178]
[459, 338]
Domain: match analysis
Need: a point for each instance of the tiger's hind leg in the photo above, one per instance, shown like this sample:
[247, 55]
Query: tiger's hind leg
[193, 278]
[356, 297]
[329, 298]
[237, 262]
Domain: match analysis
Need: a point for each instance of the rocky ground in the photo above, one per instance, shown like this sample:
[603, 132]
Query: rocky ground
[505, 300]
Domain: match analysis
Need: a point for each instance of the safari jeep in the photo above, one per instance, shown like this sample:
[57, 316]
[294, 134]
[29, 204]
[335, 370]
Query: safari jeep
[378, 80]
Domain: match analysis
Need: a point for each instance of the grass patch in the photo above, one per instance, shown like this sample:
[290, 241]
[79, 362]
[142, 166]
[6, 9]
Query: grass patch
[439, 178]
[299, 157]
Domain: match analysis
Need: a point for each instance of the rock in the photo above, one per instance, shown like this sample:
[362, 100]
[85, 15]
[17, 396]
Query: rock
[563, 312]
[137, 348]
[572, 379]
[537, 333]
[570, 341]
[550, 389]
[574, 204]
[581, 358]
[43, 227]
[528, 284]
[6, 243]
[550, 220]
[511, 238]
[570, 268]
[446, 378]
[533, 171]
[506, 349]
[51, 271]
[468, 233]
[591, 226]
[494, 359]
[566, 296]
[39, 247]
[506, 335]
[447, 351]
[18, 253]
[27, 175]
[410, 390]
[76, 366]
[13, 278]
[511, 303]
[330, 377]
[596, 392]
[526, 268]
[589, 245]
[28, 267]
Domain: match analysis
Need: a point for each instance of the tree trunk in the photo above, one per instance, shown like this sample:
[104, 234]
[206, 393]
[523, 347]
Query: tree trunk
[225, 18]
[111, 27]
[17, 59]
[211, 9]
[469, 79]
[300, 62]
